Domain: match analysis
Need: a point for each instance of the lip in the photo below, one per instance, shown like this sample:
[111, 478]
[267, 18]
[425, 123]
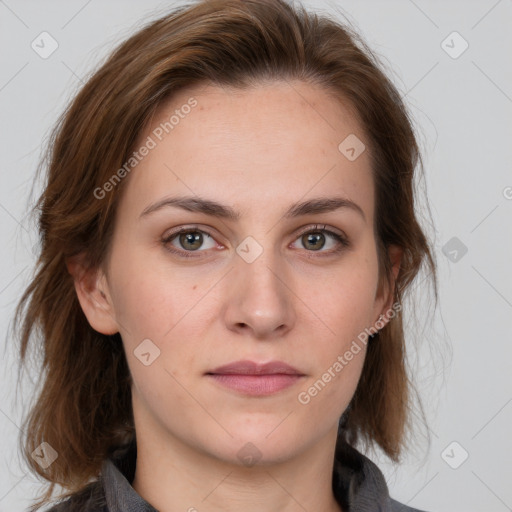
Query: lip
[247, 367]
[256, 379]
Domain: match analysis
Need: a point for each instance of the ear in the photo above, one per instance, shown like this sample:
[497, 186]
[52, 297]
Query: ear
[93, 294]
[395, 257]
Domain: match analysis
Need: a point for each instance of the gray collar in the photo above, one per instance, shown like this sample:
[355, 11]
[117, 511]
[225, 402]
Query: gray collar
[358, 484]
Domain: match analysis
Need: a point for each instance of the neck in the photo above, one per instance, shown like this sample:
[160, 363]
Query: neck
[173, 475]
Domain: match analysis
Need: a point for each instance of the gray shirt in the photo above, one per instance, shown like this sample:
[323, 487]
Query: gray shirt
[358, 486]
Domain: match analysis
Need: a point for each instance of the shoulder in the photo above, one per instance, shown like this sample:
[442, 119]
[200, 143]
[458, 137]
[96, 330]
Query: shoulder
[399, 507]
[359, 484]
[89, 499]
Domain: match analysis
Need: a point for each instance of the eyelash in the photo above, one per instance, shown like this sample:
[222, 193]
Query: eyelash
[342, 240]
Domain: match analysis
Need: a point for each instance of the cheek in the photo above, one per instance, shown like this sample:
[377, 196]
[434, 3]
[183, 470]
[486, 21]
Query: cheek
[149, 300]
[162, 305]
[343, 300]
[345, 308]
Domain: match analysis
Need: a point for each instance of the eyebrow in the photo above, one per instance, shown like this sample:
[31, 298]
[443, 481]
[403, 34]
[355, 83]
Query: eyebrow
[209, 207]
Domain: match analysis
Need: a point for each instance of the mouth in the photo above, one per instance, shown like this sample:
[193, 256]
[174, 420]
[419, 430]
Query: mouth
[254, 379]
[252, 368]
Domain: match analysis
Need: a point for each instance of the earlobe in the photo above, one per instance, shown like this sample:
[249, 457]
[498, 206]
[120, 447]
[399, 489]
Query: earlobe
[91, 288]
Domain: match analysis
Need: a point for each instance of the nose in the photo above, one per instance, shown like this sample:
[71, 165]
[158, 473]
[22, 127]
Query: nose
[260, 300]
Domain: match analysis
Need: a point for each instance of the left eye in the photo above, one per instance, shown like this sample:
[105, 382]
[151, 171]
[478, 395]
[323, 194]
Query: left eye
[315, 238]
[192, 239]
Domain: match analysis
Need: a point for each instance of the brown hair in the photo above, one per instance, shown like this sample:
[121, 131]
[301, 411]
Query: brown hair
[83, 410]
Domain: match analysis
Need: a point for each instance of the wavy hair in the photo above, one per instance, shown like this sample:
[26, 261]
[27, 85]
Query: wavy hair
[83, 408]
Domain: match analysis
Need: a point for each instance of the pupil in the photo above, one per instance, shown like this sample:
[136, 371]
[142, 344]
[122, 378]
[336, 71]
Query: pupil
[191, 238]
[314, 238]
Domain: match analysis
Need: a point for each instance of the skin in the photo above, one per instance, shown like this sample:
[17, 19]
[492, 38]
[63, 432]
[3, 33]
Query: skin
[258, 150]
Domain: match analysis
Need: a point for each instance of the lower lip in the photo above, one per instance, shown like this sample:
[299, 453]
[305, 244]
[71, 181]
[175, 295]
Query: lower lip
[256, 385]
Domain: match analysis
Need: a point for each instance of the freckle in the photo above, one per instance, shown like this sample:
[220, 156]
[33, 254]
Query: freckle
[195, 286]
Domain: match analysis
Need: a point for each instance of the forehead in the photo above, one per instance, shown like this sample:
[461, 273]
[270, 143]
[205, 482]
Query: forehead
[256, 147]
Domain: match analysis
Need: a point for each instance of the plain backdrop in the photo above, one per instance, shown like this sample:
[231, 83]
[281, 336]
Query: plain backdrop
[451, 61]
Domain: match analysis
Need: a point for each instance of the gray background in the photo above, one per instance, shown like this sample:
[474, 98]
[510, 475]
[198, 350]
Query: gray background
[461, 107]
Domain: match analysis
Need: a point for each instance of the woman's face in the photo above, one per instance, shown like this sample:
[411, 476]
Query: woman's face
[256, 287]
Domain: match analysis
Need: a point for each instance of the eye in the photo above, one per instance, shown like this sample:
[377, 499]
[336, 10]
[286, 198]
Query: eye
[313, 239]
[189, 240]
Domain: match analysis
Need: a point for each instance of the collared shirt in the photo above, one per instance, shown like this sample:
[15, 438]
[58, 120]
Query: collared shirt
[358, 486]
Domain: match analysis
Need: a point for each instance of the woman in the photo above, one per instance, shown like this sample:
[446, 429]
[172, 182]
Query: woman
[227, 232]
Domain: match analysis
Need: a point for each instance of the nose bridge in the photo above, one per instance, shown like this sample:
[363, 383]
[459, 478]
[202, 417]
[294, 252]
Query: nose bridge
[260, 297]
[260, 269]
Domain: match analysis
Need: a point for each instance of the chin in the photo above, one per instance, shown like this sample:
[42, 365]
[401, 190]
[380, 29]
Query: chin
[261, 445]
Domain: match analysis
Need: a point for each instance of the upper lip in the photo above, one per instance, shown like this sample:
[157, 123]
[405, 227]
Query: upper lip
[252, 368]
